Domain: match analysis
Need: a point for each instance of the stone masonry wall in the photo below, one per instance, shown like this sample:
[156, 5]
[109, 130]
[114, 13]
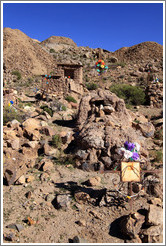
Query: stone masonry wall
[155, 95]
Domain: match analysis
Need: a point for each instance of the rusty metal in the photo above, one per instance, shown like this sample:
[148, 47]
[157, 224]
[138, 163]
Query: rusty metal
[149, 171]
[109, 171]
[130, 193]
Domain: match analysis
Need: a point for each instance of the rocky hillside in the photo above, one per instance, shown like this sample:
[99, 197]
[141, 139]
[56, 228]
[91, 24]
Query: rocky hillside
[144, 51]
[58, 43]
[53, 145]
[23, 54]
[31, 57]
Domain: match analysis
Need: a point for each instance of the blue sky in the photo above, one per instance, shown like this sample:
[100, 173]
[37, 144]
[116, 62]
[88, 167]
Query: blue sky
[106, 25]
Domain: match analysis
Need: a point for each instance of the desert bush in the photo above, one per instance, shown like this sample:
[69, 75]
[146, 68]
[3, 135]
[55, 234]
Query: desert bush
[63, 108]
[159, 156]
[57, 106]
[47, 109]
[52, 51]
[159, 134]
[10, 114]
[17, 73]
[86, 78]
[56, 141]
[132, 95]
[70, 99]
[91, 86]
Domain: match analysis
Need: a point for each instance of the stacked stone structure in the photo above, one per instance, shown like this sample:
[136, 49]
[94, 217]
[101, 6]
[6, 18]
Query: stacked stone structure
[155, 95]
[66, 78]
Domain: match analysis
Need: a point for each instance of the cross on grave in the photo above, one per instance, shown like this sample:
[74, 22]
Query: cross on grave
[130, 172]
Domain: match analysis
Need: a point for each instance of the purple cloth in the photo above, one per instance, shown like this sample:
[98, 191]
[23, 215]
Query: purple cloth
[129, 146]
[135, 156]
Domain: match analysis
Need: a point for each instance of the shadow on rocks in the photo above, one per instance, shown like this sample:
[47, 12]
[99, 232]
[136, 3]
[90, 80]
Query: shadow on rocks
[115, 230]
[66, 123]
[73, 187]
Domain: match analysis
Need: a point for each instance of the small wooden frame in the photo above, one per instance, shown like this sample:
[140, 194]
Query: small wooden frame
[130, 171]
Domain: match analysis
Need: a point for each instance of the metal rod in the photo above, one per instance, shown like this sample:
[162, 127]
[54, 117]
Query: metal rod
[109, 171]
[149, 171]
[130, 192]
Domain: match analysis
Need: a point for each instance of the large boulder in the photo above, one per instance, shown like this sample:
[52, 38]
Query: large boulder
[14, 167]
[33, 124]
[131, 224]
[104, 124]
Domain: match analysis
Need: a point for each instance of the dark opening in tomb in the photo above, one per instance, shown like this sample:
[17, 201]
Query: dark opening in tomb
[99, 102]
[69, 72]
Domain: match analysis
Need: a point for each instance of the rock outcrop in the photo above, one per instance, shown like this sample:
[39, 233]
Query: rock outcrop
[104, 124]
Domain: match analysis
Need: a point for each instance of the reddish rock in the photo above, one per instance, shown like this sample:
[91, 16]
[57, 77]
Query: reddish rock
[94, 181]
[47, 130]
[131, 225]
[32, 124]
[47, 166]
[74, 105]
[14, 167]
[30, 153]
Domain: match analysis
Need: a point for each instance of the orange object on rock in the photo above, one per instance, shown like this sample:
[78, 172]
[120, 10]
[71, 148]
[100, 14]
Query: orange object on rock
[31, 221]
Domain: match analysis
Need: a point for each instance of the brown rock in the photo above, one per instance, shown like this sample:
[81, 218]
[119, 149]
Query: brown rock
[105, 134]
[95, 214]
[48, 150]
[147, 129]
[141, 119]
[108, 109]
[155, 215]
[9, 134]
[81, 222]
[31, 134]
[44, 177]
[47, 115]
[13, 169]
[32, 124]
[131, 225]
[48, 131]
[30, 179]
[66, 137]
[29, 153]
[82, 197]
[74, 105]
[15, 144]
[154, 234]
[94, 181]
[21, 180]
[156, 201]
[47, 166]
[92, 158]
[101, 113]
[14, 124]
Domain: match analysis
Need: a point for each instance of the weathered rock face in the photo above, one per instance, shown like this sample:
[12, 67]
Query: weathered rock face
[54, 40]
[131, 225]
[104, 124]
[23, 54]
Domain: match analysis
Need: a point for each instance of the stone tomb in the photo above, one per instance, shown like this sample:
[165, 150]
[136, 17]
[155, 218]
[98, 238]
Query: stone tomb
[66, 78]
